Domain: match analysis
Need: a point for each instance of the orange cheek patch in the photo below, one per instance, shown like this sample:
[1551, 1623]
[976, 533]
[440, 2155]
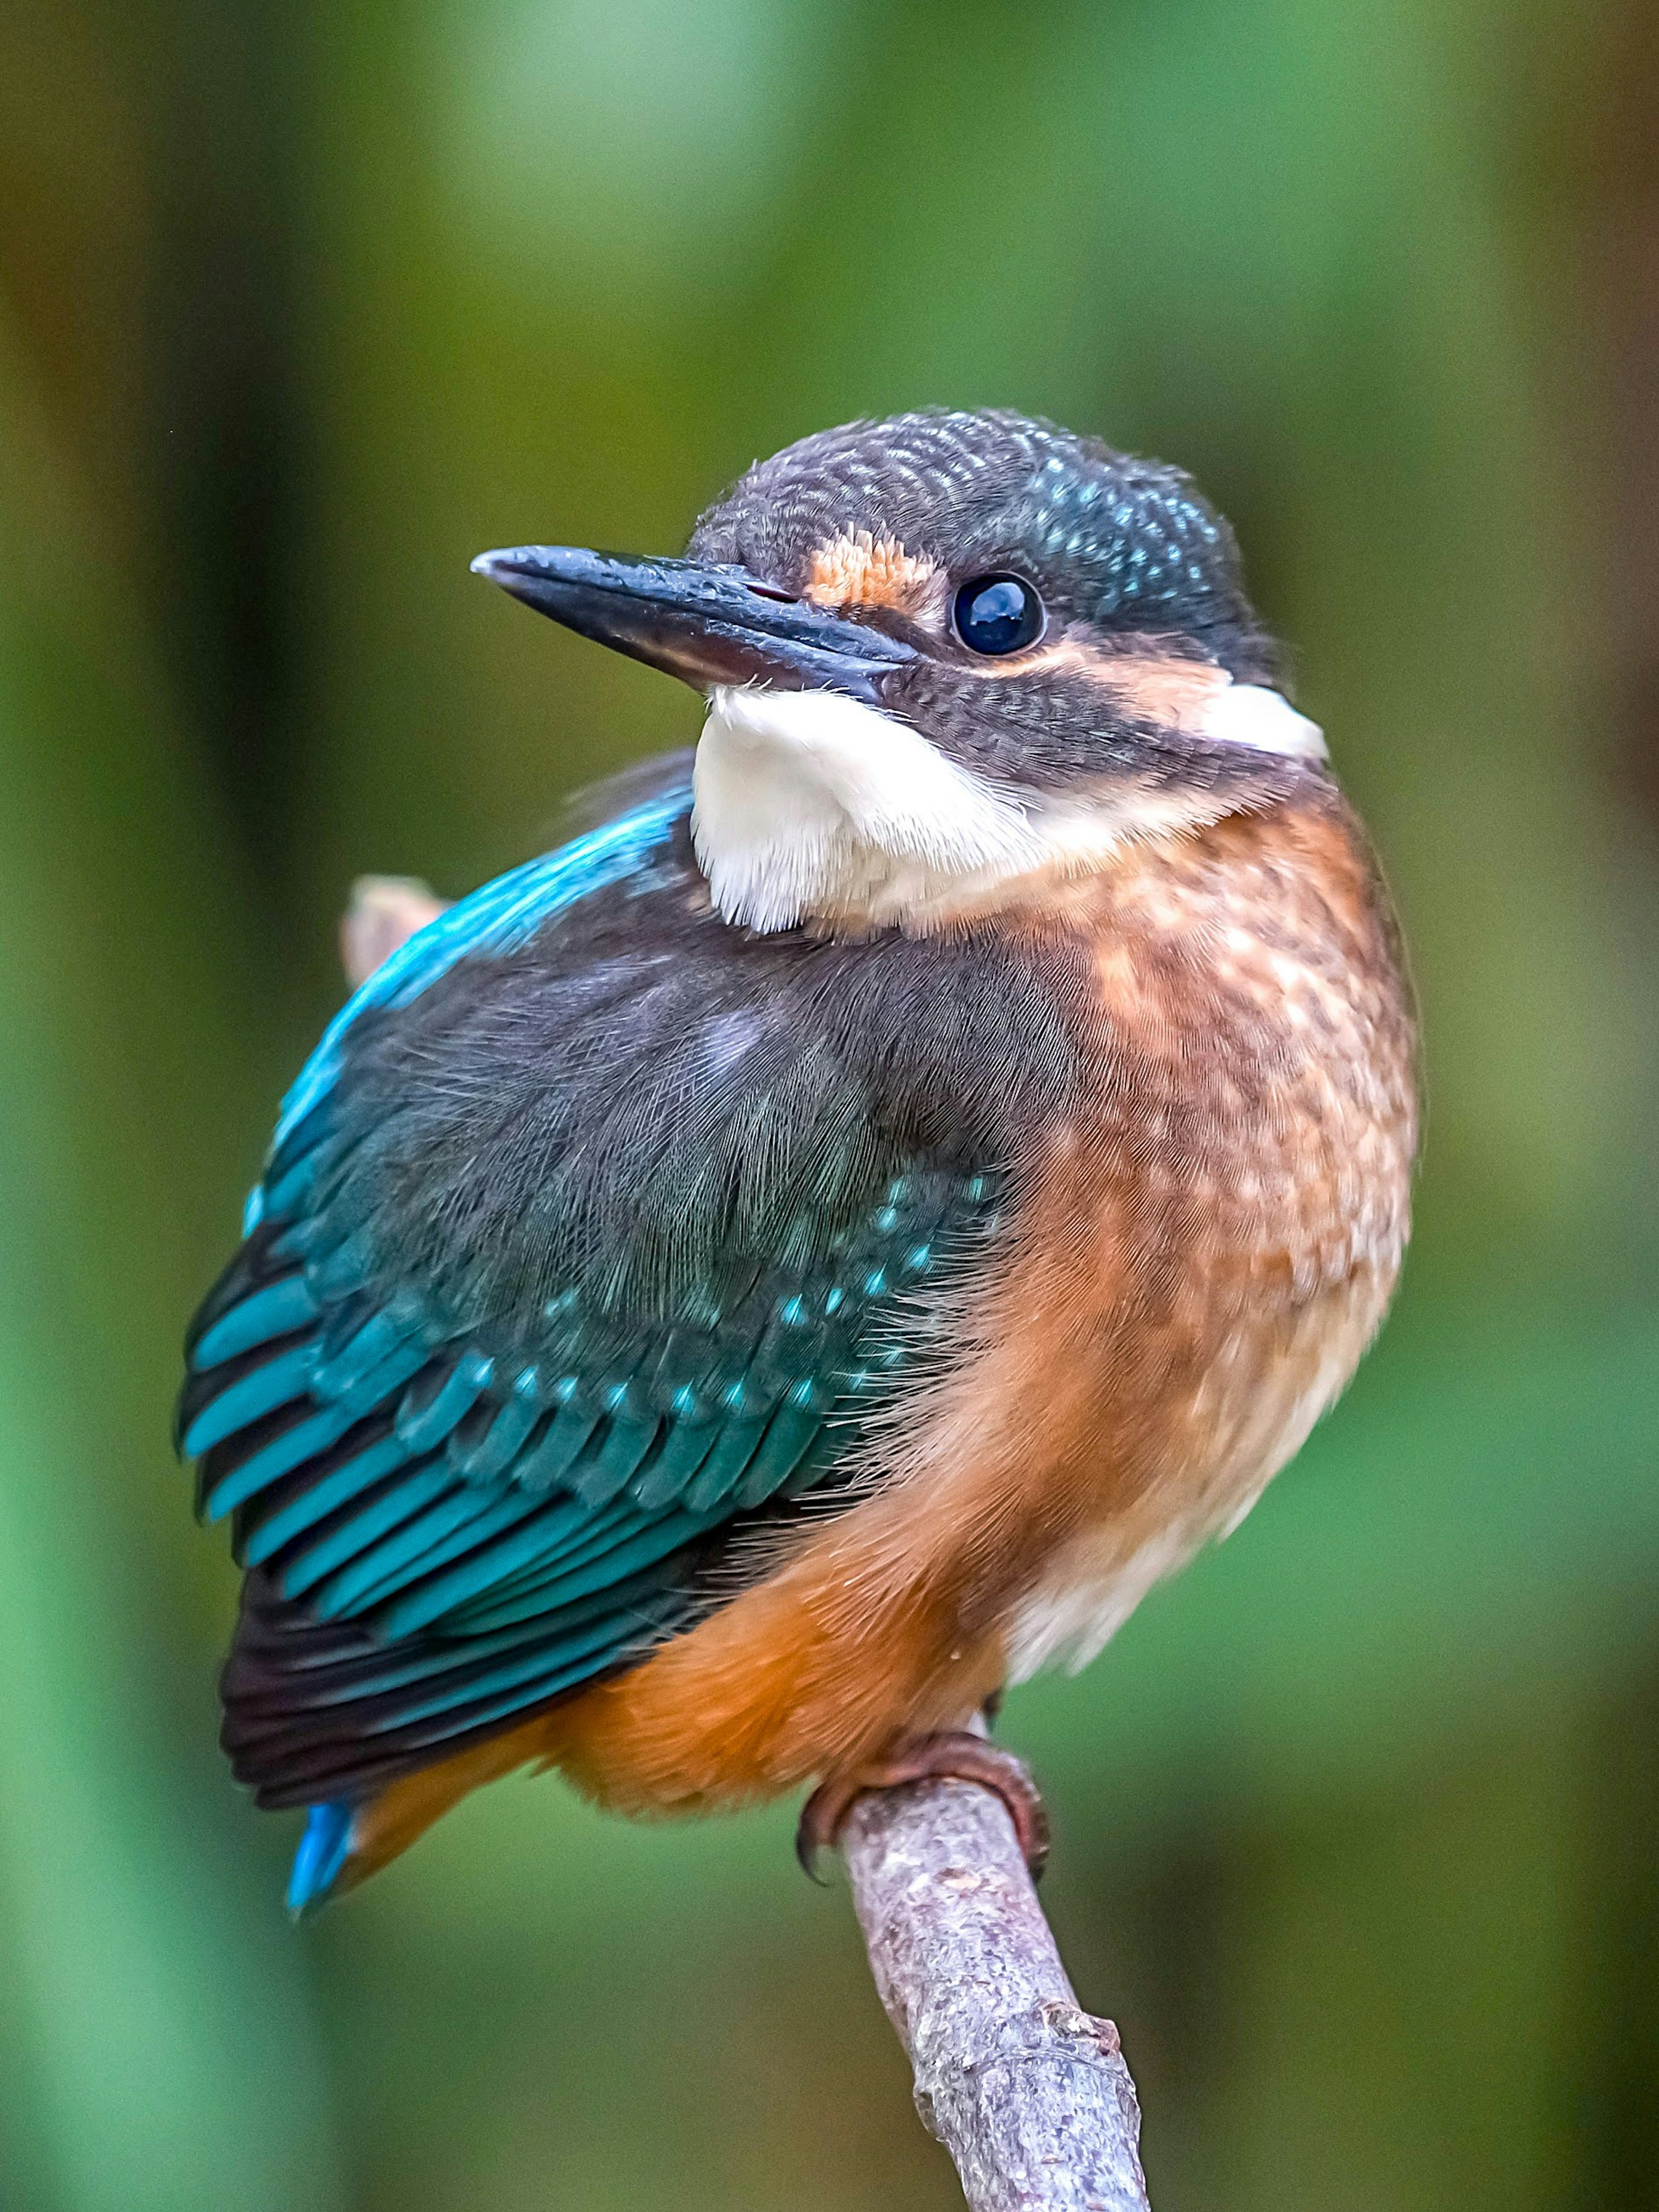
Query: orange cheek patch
[1163, 690]
[857, 569]
[1161, 687]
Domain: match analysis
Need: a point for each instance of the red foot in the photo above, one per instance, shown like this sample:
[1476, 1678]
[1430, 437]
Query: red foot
[957, 1756]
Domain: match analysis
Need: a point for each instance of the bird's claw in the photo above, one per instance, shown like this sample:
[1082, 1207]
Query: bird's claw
[957, 1755]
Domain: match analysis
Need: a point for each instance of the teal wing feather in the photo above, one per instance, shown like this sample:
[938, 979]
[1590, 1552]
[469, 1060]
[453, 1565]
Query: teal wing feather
[451, 1506]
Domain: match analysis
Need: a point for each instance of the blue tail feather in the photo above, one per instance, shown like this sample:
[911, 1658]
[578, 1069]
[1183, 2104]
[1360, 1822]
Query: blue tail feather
[324, 1849]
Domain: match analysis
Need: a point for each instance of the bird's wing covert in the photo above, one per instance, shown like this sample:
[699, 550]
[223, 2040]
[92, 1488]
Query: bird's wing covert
[495, 1368]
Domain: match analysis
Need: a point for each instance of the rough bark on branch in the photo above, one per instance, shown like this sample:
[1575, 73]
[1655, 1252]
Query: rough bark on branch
[1028, 2093]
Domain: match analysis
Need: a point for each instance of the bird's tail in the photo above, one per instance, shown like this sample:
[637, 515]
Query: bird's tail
[344, 1843]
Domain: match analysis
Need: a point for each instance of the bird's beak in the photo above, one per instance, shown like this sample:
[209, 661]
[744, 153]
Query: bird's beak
[705, 625]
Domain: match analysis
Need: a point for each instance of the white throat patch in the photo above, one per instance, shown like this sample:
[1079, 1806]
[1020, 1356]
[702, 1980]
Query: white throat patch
[809, 804]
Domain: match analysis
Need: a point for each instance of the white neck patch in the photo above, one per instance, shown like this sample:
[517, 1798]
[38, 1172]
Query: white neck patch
[1251, 715]
[809, 804]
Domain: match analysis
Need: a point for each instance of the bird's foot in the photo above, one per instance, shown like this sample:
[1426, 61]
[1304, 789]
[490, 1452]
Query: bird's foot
[957, 1756]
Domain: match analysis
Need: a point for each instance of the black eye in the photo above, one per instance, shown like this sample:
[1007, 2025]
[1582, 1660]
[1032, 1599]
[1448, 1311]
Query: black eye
[997, 614]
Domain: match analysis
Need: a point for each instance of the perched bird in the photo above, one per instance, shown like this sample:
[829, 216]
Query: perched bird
[727, 1297]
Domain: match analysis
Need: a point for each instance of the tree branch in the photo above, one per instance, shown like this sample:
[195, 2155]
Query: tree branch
[383, 911]
[1028, 2093]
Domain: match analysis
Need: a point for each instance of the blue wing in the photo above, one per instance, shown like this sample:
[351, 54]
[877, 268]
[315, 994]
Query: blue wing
[585, 1239]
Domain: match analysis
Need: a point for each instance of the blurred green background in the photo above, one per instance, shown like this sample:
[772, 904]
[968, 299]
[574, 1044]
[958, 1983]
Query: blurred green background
[300, 306]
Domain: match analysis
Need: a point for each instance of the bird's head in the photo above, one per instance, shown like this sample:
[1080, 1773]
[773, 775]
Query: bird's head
[946, 654]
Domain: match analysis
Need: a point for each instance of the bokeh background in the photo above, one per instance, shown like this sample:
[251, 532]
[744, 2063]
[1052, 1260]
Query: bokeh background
[300, 306]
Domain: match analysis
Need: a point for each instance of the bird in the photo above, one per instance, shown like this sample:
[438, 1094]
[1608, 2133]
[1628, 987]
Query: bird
[729, 1298]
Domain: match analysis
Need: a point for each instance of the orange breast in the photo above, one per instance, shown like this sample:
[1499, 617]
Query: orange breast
[1198, 1267]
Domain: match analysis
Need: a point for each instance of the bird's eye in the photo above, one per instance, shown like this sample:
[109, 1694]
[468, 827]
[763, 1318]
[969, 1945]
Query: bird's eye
[997, 614]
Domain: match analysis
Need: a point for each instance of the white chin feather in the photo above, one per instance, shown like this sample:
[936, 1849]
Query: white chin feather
[808, 802]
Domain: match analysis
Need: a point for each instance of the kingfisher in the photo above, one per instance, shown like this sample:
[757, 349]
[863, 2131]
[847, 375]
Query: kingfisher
[729, 1296]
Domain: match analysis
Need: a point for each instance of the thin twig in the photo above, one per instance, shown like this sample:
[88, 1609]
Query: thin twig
[384, 911]
[1028, 2093]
